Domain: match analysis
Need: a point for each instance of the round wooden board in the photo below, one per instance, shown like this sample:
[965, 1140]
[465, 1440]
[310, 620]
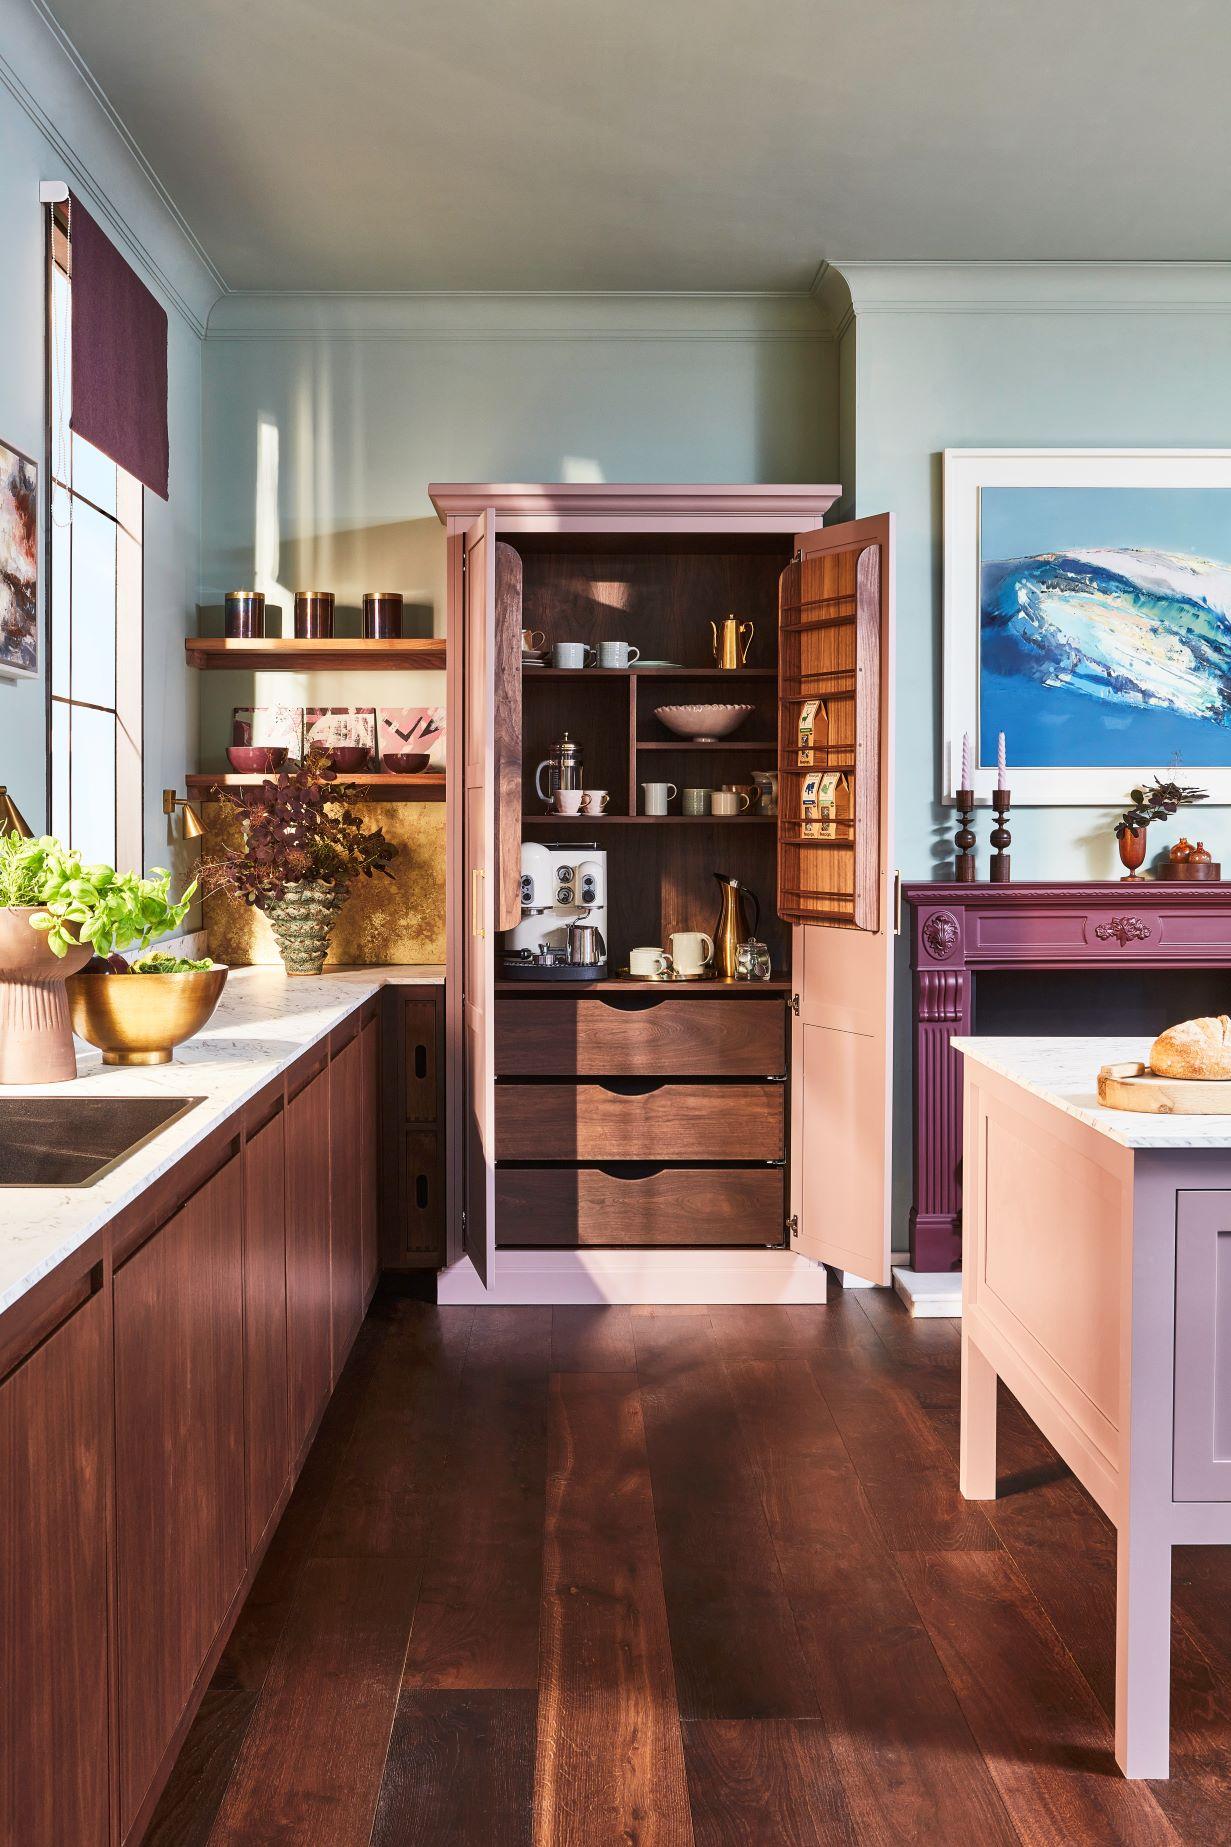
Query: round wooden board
[1135, 1087]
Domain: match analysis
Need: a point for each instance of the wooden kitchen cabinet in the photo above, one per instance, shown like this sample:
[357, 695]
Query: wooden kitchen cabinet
[55, 1469]
[265, 1375]
[412, 1118]
[308, 1298]
[348, 1152]
[181, 1534]
[369, 1173]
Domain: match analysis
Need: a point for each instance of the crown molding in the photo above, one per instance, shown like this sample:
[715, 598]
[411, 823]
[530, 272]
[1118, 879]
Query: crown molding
[919, 287]
[192, 292]
[518, 315]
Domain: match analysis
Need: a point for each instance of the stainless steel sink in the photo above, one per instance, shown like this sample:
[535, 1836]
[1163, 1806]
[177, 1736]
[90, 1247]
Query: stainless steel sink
[74, 1141]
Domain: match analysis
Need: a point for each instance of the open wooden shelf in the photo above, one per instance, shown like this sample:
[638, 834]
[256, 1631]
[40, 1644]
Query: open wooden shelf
[731, 675]
[285, 654]
[374, 786]
[626, 984]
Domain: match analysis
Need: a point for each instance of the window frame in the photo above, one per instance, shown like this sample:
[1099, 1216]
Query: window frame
[128, 519]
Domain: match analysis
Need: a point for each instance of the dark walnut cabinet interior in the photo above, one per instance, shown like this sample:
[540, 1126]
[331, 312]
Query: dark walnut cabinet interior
[157, 1398]
[736, 1136]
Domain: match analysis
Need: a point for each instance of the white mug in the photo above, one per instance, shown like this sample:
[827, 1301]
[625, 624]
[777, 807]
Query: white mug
[593, 801]
[568, 801]
[729, 801]
[656, 795]
[648, 962]
[617, 654]
[570, 654]
[692, 951]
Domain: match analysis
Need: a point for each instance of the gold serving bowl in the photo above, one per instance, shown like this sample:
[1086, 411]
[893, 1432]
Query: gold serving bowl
[137, 1019]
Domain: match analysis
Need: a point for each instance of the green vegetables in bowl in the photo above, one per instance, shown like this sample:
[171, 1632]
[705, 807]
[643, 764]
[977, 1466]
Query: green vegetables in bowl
[153, 963]
[110, 910]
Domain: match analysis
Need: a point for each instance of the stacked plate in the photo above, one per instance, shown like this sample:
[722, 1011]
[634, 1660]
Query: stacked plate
[534, 657]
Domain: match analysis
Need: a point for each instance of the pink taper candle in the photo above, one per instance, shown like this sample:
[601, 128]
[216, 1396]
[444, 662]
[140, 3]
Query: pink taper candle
[965, 782]
[1002, 780]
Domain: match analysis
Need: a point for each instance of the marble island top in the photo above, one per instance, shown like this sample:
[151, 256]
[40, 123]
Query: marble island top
[1064, 1072]
[263, 1023]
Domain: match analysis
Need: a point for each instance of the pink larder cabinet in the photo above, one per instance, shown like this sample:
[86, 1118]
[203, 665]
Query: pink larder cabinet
[654, 566]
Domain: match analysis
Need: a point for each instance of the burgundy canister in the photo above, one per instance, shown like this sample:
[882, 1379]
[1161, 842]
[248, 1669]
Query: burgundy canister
[382, 615]
[313, 615]
[245, 614]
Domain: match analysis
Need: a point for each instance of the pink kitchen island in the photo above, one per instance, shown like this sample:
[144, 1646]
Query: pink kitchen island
[1097, 1285]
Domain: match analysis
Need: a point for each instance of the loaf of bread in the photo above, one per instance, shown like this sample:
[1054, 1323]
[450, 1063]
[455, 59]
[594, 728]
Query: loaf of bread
[1194, 1048]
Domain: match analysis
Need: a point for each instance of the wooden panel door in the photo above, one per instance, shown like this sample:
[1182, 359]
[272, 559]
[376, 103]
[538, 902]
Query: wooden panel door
[181, 1545]
[265, 1371]
[492, 752]
[1203, 1346]
[346, 1136]
[369, 1172]
[308, 1317]
[55, 1467]
[835, 612]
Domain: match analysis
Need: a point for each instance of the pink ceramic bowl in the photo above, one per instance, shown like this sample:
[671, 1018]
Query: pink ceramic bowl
[406, 762]
[258, 758]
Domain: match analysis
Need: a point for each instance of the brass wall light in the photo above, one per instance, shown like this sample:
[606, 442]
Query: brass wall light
[193, 828]
[12, 821]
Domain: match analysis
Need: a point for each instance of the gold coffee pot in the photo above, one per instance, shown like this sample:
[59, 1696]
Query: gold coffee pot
[732, 642]
[732, 927]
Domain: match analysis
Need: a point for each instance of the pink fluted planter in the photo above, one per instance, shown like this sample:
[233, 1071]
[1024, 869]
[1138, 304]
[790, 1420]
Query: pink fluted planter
[36, 1037]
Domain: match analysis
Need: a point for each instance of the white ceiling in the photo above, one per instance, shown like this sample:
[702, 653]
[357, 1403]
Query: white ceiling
[668, 144]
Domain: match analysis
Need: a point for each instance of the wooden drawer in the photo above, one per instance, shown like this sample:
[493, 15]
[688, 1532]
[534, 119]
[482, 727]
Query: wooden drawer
[640, 1036]
[420, 1052]
[563, 1207]
[628, 1120]
[423, 1214]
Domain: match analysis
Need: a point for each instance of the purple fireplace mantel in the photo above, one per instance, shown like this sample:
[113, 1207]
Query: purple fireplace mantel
[959, 930]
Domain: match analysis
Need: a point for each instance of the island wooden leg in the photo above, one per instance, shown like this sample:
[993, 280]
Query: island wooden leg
[977, 1474]
[1143, 1648]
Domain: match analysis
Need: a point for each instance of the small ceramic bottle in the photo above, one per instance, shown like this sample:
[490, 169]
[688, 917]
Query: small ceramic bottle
[1200, 855]
[1181, 851]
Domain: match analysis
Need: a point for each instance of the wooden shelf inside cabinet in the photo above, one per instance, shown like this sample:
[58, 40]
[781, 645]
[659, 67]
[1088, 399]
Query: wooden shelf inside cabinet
[379, 786]
[650, 673]
[625, 984]
[654, 820]
[286, 654]
[720, 744]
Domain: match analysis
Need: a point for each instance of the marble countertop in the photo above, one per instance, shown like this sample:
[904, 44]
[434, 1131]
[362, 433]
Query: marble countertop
[263, 1023]
[1064, 1072]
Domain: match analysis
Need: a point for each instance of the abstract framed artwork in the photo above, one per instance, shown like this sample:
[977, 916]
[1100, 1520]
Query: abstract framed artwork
[18, 563]
[1087, 615]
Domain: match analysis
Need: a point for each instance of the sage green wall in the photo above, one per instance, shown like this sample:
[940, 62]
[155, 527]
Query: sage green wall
[52, 128]
[955, 356]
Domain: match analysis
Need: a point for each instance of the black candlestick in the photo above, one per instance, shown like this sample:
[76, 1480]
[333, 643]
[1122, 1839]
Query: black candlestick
[964, 839]
[1001, 837]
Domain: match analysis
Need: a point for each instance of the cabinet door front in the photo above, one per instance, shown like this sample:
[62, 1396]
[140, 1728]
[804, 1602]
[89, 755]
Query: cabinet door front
[369, 1174]
[265, 1378]
[346, 1196]
[53, 1587]
[835, 724]
[308, 1308]
[179, 1465]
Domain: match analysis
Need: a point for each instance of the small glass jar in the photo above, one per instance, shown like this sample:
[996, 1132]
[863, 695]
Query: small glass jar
[245, 615]
[313, 615]
[382, 615]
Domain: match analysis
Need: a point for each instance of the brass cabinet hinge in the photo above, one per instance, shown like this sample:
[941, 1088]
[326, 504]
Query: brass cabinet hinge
[792, 1224]
[795, 1005]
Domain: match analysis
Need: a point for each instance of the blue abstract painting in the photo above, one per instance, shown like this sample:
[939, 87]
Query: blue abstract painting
[1105, 626]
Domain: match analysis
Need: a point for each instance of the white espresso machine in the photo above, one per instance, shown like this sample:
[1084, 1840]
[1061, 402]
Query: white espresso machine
[562, 935]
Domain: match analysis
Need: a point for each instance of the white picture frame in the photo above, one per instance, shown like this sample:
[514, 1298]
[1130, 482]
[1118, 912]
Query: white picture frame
[966, 473]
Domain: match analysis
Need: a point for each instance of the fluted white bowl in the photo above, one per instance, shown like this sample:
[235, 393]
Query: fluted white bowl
[702, 724]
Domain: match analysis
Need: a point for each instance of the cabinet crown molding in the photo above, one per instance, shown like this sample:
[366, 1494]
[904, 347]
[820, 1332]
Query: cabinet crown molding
[767, 506]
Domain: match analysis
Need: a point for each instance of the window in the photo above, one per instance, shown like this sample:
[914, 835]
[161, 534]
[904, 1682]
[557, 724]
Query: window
[95, 519]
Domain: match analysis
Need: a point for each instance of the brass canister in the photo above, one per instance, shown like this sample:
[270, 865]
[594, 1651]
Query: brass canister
[313, 615]
[382, 615]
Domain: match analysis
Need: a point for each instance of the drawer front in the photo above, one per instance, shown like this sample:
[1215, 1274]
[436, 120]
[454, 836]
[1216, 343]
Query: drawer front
[419, 1029]
[640, 1122]
[627, 1036]
[1202, 1448]
[563, 1208]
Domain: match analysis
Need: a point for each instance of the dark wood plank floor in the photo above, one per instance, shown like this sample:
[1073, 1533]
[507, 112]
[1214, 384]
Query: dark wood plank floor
[658, 1577]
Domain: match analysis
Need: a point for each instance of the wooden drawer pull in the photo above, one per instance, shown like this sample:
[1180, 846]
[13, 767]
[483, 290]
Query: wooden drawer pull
[420, 1061]
[630, 1003]
[631, 1086]
[421, 1192]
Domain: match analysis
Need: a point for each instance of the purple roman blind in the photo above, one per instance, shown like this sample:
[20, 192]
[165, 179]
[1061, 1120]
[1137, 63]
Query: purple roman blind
[119, 344]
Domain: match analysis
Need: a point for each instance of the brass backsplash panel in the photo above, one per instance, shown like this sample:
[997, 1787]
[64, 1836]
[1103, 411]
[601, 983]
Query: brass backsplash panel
[399, 919]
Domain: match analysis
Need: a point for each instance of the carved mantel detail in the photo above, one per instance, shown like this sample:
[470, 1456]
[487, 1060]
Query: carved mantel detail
[940, 935]
[941, 995]
[1124, 930]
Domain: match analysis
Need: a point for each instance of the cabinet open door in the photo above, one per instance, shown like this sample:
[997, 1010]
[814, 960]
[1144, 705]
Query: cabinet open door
[834, 887]
[491, 604]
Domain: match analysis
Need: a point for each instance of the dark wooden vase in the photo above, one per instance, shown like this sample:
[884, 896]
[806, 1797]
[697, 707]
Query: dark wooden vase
[1132, 852]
